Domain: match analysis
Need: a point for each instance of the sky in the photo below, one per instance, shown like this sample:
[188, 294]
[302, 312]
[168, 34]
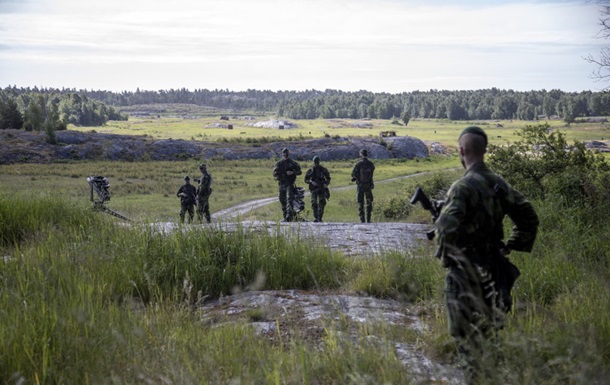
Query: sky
[376, 45]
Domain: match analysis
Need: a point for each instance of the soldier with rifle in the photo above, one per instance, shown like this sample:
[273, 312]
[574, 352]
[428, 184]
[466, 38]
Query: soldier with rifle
[187, 193]
[469, 233]
[362, 174]
[318, 179]
[285, 172]
[204, 190]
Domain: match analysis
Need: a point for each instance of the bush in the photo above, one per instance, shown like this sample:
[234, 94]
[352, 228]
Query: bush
[542, 163]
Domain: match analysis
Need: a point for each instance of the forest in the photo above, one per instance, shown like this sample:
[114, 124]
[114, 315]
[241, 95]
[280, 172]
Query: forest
[311, 104]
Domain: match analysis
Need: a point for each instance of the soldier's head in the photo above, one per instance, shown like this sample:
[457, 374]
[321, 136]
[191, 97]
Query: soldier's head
[364, 153]
[203, 167]
[285, 153]
[472, 145]
[316, 160]
[187, 179]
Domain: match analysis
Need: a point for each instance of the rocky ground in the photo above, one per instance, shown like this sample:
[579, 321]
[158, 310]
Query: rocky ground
[17, 146]
[281, 314]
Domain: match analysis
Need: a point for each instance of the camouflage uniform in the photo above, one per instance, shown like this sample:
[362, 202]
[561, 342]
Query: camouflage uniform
[469, 233]
[203, 195]
[286, 183]
[365, 185]
[321, 176]
[187, 193]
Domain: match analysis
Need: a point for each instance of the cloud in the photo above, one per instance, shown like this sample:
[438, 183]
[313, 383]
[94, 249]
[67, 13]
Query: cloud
[325, 41]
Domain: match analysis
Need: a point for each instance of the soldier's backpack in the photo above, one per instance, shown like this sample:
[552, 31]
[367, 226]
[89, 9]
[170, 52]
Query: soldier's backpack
[366, 173]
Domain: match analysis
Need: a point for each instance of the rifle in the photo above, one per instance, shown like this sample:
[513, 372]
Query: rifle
[434, 208]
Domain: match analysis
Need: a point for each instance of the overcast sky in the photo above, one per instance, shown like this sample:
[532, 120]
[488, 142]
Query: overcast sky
[376, 45]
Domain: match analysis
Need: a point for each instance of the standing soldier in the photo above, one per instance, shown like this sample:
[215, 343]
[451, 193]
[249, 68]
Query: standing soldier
[203, 194]
[318, 179]
[469, 232]
[285, 172]
[363, 176]
[187, 193]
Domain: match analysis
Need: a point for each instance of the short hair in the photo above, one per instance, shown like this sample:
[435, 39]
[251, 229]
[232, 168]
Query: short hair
[364, 152]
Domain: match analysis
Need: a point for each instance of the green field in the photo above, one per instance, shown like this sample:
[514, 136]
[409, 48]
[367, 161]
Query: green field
[443, 131]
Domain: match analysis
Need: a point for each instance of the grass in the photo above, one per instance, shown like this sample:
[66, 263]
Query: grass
[146, 191]
[439, 130]
[86, 300]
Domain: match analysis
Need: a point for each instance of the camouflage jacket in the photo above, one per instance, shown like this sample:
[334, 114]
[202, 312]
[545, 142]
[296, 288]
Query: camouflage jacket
[318, 174]
[363, 171]
[205, 185]
[284, 165]
[190, 192]
[471, 219]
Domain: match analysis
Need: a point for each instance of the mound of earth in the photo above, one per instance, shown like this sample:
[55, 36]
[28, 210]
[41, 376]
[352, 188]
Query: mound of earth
[18, 146]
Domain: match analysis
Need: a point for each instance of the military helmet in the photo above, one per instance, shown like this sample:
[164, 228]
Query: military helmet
[186, 177]
[476, 131]
[364, 152]
[202, 165]
[316, 159]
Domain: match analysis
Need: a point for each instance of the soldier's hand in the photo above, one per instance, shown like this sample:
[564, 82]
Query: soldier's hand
[353, 179]
[289, 172]
[314, 183]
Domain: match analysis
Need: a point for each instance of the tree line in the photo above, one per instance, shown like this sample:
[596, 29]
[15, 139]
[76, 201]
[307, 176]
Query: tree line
[481, 104]
[50, 111]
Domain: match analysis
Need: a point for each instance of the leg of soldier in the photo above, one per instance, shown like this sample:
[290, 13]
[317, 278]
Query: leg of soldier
[360, 200]
[191, 211]
[199, 210]
[182, 212]
[369, 204]
[206, 208]
[321, 205]
[467, 316]
[315, 197]
[282, 198]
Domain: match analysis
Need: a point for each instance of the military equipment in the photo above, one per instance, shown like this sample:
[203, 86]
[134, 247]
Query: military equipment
[298, 203]
[100, 185]
[434, 208]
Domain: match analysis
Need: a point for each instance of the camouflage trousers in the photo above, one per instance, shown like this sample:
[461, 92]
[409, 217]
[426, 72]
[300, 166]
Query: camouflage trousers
[365, 201]
[203, 208]
[473, 317]
[184, 208]
[286, 197]
[318, 202]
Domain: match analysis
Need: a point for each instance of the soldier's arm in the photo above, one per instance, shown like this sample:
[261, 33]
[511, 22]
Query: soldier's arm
[450, 220]
[297, 169]
[327, 176]
[525, 220]
[308, 175]
[356, 171]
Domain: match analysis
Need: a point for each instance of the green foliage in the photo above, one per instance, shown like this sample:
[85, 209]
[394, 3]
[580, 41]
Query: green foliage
[543, 163]
[10, 116]
[405, 276]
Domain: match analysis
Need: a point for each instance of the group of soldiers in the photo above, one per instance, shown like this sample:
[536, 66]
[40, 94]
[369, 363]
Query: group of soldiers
[191, 196]
[469, 233]
[318, 178]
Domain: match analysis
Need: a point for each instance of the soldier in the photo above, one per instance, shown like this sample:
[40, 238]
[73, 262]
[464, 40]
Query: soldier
[362, 174]
[469, 233]
[203, 194]
[318, 179]
[187, 193]
[285, 172]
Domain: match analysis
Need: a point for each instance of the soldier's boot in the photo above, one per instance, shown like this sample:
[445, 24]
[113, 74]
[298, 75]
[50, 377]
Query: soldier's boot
[208, 218]
[368, 217]
[362, 218]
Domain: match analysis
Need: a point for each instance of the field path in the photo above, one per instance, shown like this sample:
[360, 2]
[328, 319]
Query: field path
[246, 207]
